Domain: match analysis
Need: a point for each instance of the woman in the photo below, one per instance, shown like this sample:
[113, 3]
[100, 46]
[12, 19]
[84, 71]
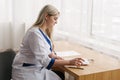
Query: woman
[36, 56]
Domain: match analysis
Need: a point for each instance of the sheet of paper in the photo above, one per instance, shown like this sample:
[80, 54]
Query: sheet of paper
[67, 53]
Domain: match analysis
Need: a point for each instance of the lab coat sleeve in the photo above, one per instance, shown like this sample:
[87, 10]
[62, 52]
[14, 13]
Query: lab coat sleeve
[38, 48]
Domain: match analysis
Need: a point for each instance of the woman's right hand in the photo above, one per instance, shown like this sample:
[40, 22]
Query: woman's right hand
[76, 61]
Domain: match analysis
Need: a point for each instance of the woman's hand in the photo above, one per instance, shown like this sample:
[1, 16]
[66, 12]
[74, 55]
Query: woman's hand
[53, 55]
[59, 58]
[76, 61]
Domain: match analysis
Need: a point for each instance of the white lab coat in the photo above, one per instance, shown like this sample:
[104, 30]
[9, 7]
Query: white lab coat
[35, 50]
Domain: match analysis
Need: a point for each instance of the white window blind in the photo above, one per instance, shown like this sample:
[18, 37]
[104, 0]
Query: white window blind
[106, 19]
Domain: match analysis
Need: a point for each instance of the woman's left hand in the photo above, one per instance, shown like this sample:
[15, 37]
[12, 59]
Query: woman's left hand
[53, 55]
[58, 57]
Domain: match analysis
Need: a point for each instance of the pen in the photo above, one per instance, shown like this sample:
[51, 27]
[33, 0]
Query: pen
[76, 67]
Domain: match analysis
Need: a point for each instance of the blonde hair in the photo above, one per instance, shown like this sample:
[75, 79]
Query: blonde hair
[51, 11]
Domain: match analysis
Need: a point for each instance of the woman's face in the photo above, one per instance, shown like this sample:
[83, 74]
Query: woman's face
[52, 20]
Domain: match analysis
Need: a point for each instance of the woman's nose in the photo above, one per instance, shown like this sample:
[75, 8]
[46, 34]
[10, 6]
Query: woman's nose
[55, 22]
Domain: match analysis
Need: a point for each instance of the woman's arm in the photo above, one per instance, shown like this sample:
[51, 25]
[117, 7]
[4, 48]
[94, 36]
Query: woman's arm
[59, 61]
[75, 61]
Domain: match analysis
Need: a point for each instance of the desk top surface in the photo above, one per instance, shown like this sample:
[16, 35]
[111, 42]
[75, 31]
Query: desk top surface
[101, 61]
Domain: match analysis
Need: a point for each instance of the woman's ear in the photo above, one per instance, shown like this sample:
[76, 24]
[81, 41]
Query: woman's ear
[46, 16]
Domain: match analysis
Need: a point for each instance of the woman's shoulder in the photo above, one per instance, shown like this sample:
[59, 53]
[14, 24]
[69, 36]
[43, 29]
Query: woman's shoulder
[33, 30]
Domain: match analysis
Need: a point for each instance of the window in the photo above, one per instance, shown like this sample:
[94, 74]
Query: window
[93, 23]
[105, 26]
[106, 19]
